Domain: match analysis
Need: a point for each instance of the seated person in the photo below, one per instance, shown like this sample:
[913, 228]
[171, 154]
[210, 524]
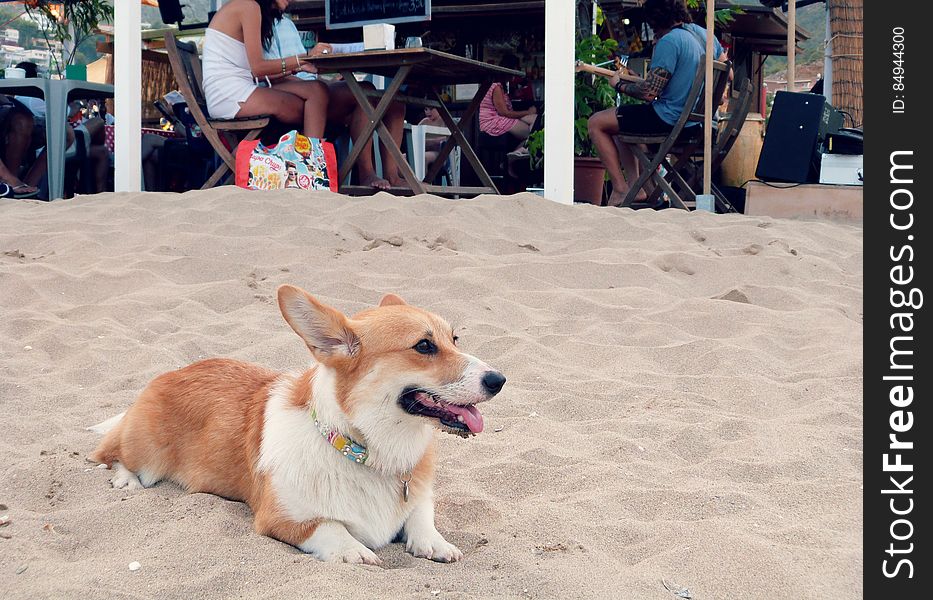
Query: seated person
[39, 167]
[342, 107]
[17, 126]
[680, 45]
[100, 157]
[233, 64]
[496, 116]
[31, 141]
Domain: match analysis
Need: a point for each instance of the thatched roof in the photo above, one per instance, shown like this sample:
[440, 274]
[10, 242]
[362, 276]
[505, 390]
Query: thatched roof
[845, 25]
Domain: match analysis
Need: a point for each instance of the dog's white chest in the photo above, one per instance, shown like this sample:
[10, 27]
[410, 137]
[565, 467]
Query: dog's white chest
[313, 480]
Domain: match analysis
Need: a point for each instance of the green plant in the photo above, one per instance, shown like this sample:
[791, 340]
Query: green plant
[591, 94]
[723, 16]
[73, 21]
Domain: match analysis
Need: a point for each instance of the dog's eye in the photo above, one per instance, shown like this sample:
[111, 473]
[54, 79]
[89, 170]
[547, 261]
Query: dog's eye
[455, 340]
[426, 347]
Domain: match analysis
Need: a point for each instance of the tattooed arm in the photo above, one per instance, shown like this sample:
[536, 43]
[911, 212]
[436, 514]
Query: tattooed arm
[647, 89]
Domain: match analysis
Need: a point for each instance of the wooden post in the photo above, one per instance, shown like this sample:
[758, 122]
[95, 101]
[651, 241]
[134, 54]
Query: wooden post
[708, 93]
[559, 35]
[791, 45]
[127, 80]
[828, 61]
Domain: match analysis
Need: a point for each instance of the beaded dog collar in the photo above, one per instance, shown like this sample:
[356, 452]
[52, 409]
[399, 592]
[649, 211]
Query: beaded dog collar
[346, 446]
[354, 451]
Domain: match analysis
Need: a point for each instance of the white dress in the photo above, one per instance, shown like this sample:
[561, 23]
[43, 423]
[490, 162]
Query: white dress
[228, 80]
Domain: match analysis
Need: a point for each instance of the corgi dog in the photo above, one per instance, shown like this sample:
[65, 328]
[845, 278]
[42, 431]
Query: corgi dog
[337, 460]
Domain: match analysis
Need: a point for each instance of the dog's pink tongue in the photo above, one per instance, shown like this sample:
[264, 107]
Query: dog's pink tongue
[470, 415]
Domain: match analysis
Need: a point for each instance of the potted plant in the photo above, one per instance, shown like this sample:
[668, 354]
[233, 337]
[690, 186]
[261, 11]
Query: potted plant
[591, 94]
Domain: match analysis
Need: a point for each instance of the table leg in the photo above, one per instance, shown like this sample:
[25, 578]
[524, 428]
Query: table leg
[55, 124]
[457, 138]
[375, 123]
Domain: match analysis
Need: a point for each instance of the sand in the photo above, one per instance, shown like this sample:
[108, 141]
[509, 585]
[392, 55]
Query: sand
[683, 406]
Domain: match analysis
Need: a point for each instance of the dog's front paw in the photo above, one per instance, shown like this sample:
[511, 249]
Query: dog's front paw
[434, 547]
[332, 542]
[124, 478]
[357, 555]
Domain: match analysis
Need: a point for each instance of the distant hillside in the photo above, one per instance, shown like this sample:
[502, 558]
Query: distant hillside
[812, 19]
[195, 12]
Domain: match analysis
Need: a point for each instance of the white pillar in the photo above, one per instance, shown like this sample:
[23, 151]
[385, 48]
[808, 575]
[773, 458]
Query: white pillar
[559, 36]
[708, 100]
[127, 81]
[595, 26]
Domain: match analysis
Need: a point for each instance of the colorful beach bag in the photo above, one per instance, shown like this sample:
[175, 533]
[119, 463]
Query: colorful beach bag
[296, 161]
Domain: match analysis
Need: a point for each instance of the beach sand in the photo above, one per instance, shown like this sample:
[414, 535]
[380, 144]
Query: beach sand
[683, 406]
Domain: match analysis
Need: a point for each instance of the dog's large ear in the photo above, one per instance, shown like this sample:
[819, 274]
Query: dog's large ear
[325, 330]
[392, 300]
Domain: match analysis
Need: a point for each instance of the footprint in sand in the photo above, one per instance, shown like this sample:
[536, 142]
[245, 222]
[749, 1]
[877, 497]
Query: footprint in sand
[441, 242]
[783, 246]
[391, 241]
[674, 263]
[253, 281]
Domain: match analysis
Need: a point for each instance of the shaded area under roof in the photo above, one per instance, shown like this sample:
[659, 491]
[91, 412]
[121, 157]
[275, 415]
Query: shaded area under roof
[759, 26]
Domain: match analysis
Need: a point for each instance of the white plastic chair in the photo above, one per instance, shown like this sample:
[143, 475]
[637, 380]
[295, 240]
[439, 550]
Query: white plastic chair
[417, 141]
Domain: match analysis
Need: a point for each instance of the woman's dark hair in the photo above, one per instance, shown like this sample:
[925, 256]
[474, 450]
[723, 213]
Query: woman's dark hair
[663, 14]
[510, 61]
[270, 13]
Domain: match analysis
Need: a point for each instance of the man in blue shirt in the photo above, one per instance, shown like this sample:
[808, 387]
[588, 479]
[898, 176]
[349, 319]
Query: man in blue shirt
[679, 47]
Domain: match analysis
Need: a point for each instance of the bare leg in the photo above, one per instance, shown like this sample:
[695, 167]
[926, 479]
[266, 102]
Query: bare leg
[100, 158]
[344, 109]
[38, 168]
[151, 146]
[395, 122]
[522, 129]
[18, 140]
[6, 176]
[316, 98]
[285, 107]
[603, 126]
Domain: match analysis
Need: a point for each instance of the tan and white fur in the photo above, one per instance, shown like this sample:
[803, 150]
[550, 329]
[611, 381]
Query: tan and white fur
[246, 433]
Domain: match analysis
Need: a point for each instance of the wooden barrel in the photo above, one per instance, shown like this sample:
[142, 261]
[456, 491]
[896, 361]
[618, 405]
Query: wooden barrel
[739, 166]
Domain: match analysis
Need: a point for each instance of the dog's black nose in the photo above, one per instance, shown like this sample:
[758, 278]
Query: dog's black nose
[493, 382]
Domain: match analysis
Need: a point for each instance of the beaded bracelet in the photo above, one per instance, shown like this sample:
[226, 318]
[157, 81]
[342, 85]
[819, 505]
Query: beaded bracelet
[283, 66]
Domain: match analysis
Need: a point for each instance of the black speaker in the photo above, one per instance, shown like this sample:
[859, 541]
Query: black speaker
[796, 134]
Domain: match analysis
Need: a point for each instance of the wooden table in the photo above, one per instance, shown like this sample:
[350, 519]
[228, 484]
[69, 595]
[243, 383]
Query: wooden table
[428, 69]
[57, 94]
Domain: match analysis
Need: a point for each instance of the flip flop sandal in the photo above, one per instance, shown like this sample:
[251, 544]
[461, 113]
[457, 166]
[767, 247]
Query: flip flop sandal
[22, 195]
[5, 191]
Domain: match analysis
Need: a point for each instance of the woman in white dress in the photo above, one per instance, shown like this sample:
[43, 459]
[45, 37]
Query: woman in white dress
[233, 65]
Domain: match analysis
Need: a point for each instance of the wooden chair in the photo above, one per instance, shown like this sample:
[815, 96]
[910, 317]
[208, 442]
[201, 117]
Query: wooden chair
[729, 128]
[186, 66]
[681, 140]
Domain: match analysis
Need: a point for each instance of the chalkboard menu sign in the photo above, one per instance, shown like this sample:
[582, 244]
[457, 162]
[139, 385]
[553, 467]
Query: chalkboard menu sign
[356, 13]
